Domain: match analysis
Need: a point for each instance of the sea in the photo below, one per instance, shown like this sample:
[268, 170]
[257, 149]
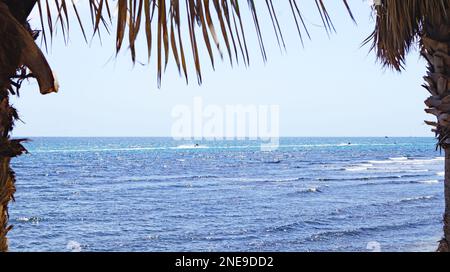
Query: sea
[160, 194]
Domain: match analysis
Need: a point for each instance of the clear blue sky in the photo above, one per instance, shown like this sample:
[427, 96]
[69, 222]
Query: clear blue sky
[332, 87]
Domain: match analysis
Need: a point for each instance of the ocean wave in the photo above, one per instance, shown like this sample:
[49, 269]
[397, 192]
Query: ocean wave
[285, 180]
[414, 199]
[348, 212]
[317, 189]
[328, 234]
[117, 149]
[393, 165]
[180, 147]
[193, 146]
[32, 219]
[399, 158]
[73, 246]
[263, 180]
[164, 178]
[273, 162]
[313, 190]
[352, 232]
[284, 227]
[96, 150]
[359, 167]
[343, 144]
[201, 176]
[190, 146]
[434, 181]
[317, 223]
[383, 170]
[405, 200]
[406, 160]
[398, 182]
[370, 178]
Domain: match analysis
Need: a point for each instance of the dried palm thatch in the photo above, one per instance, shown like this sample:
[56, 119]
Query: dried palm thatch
[212, 20]
[400, 25]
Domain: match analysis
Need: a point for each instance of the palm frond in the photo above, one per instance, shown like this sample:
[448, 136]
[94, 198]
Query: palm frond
[132, 13]
[399, 24]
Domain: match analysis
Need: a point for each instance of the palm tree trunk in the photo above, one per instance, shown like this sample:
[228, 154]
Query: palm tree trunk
[8, 149]
[445, 242]
[435, 43]
[17, 50]
[9, 61]
[7, 190]
[6, 118]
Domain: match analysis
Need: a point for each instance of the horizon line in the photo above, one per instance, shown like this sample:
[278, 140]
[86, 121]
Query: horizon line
[224, 138]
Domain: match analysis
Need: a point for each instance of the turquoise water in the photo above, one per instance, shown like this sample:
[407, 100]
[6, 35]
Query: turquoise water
[157, 194]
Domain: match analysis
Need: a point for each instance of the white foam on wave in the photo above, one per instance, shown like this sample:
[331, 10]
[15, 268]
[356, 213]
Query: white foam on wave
[309, 190]
[314, 190]
[396, 165]
[359, 167]
[320, 145]
[391, 160]
[73, 246]
[355, 169]
[434, 181]
[97, 150]
[436, 159]
[258, 179]
[283, 180]
[190, 147]
[381, 161]
[399, 159]
[416, 198]
[406, 160]
[341, 144]
[32, 219]
[441, 174]
[399, 170]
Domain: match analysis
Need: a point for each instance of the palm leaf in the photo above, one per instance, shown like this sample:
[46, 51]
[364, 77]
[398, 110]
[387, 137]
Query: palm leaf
[132, 13]
[399, 24]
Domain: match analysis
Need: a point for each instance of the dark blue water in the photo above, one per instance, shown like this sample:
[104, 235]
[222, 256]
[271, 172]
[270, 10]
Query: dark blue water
[157, 194]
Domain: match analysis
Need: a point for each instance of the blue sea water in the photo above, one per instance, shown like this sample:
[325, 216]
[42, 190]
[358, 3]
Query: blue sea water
[157, 194]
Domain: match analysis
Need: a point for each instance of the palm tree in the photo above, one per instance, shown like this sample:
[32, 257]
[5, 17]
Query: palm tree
[399, 26]
[17, 50]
